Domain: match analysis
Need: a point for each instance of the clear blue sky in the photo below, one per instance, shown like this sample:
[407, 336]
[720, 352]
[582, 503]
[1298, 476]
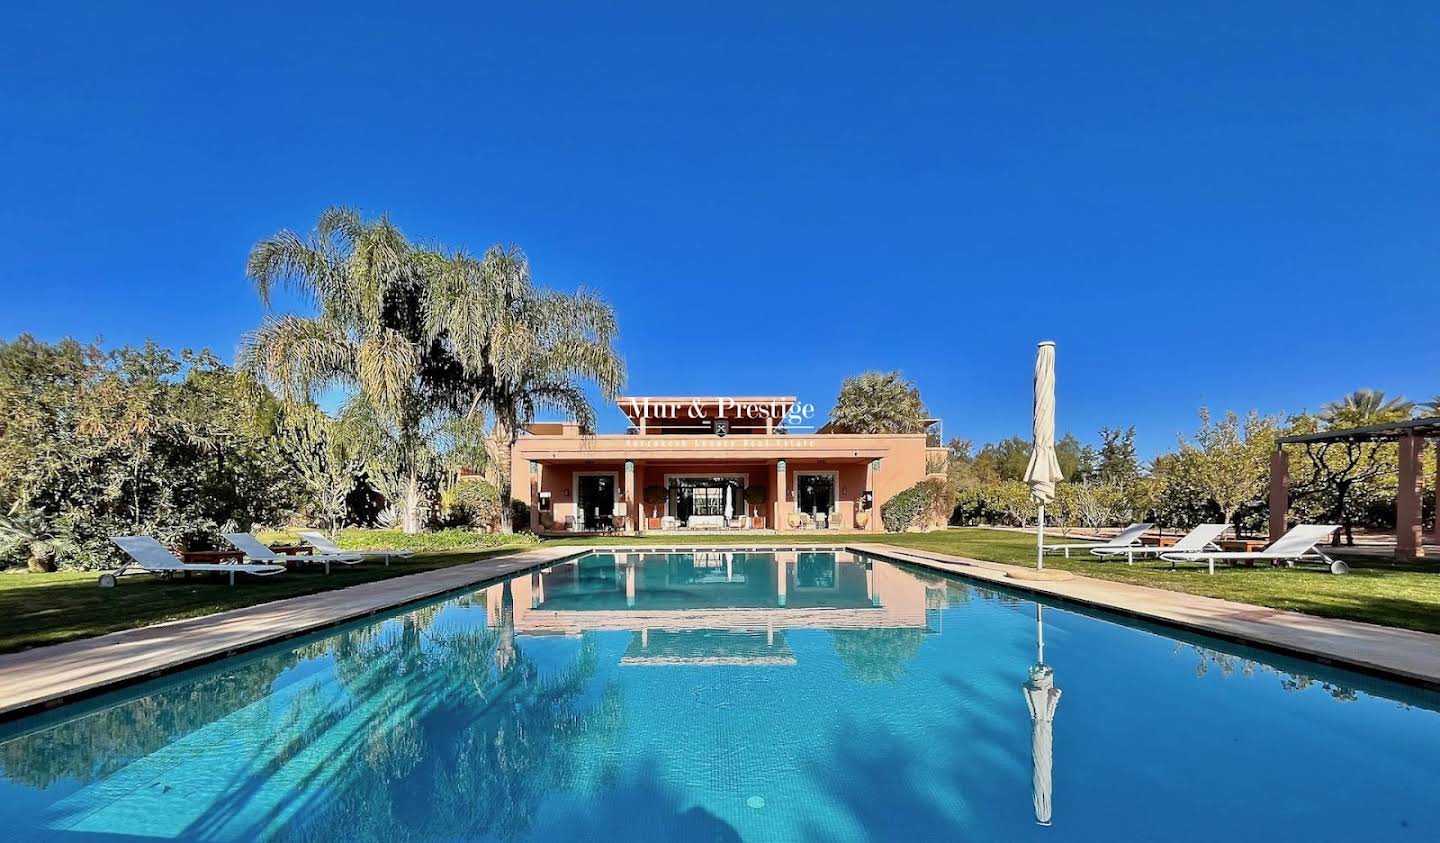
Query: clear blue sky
[1229, 204]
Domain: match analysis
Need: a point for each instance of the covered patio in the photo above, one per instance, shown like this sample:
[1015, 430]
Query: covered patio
[1410, 437]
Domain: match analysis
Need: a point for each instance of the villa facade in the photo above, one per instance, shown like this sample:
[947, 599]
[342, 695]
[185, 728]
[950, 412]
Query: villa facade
[688, 463]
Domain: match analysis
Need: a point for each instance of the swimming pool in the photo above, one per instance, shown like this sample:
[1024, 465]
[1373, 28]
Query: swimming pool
[714, 695]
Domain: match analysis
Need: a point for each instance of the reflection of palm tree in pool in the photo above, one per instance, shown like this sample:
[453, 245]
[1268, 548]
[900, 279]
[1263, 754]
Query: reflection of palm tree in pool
[469, 742]
[92, 747]
[876, 656]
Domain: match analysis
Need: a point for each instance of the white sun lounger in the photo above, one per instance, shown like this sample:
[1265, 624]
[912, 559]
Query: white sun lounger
[1127, 538]
[151, 557]
[1296, 545]
[322, 543]
[1201, 538]
[256, 551]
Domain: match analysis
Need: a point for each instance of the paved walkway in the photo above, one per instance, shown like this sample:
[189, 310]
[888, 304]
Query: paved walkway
[47, 675]
[1375, 649]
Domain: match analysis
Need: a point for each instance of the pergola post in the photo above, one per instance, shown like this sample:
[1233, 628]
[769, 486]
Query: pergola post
[1435, 528]
[1279, 492]
[1407, 500]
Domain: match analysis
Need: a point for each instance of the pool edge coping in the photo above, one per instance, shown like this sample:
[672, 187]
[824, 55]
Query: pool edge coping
[1279, 630]
[1268, 633]
[211, 647]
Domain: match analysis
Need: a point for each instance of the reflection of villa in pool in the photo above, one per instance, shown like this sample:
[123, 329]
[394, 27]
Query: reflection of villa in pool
[719, 607]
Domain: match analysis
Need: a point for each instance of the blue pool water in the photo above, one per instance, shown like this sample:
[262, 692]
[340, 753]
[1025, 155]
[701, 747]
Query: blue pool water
[714, 696]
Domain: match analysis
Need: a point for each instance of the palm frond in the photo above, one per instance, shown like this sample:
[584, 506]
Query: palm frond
[296, 356]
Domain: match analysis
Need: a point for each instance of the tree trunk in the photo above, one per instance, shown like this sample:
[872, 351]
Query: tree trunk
[42, 558]
[410, 505]
[509, 434]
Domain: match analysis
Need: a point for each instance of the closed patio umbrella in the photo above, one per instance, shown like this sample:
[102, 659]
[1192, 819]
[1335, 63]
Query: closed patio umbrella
[729, 507]
[1043, 472]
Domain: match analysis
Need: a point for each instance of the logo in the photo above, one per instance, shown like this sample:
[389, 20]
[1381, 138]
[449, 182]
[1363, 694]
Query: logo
[722, 427]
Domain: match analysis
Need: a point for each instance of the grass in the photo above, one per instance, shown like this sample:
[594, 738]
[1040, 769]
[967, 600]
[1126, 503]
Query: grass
[1381, 591]
[38, 609]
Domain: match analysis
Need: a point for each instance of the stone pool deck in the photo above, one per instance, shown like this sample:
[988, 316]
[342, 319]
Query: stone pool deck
[47, 676]
[50, 675]
[1378, 650]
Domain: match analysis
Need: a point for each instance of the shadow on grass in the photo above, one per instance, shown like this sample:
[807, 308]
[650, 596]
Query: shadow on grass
[36, 610]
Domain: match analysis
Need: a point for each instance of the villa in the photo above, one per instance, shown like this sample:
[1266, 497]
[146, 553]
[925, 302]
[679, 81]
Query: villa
[714, 463]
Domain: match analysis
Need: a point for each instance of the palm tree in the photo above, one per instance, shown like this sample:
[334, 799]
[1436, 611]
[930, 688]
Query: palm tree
[369, 336]
[529, 350]
[1366, 406]
[1431, 407]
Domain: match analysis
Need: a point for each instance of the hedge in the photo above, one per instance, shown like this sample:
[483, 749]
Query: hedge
[924, 505]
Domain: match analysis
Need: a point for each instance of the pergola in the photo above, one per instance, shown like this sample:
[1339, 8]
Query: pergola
[1410, 438]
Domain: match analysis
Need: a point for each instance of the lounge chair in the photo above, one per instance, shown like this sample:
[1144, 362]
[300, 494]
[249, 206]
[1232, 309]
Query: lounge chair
[1201, 538]
[322, 543]
[1127, 538]
[256, 551]
[151, 557]
[1296, 545]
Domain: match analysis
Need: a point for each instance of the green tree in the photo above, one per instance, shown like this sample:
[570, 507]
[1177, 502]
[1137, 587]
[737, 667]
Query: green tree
[524, 350]
[135, 440]
[372, 336]
[879, 402]
[1117, 461]
[1226, 463]
[1006, 459]
[1364, 407]
[322, 458]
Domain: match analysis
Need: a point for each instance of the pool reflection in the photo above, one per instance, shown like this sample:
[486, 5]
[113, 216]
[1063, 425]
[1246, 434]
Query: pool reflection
[664, 696]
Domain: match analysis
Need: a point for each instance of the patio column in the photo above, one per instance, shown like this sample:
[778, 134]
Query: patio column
[1279, 492]
[873, 513]
[534, 497]
[631, 522]
[780, 487]
[1407, 500]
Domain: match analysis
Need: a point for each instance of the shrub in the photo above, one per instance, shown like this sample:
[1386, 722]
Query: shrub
[97, 443]
[474, 502]
[519, 514]
[756, 495]
[925, 505]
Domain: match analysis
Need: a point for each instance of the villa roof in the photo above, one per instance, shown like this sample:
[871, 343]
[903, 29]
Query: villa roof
[1428, 428]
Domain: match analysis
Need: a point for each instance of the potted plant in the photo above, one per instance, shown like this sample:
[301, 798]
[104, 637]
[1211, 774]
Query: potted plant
[654, 497]
[755, 497]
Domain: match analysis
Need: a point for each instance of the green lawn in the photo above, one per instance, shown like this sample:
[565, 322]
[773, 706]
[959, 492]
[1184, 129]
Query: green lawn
[1382, 591]
[38, 609]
